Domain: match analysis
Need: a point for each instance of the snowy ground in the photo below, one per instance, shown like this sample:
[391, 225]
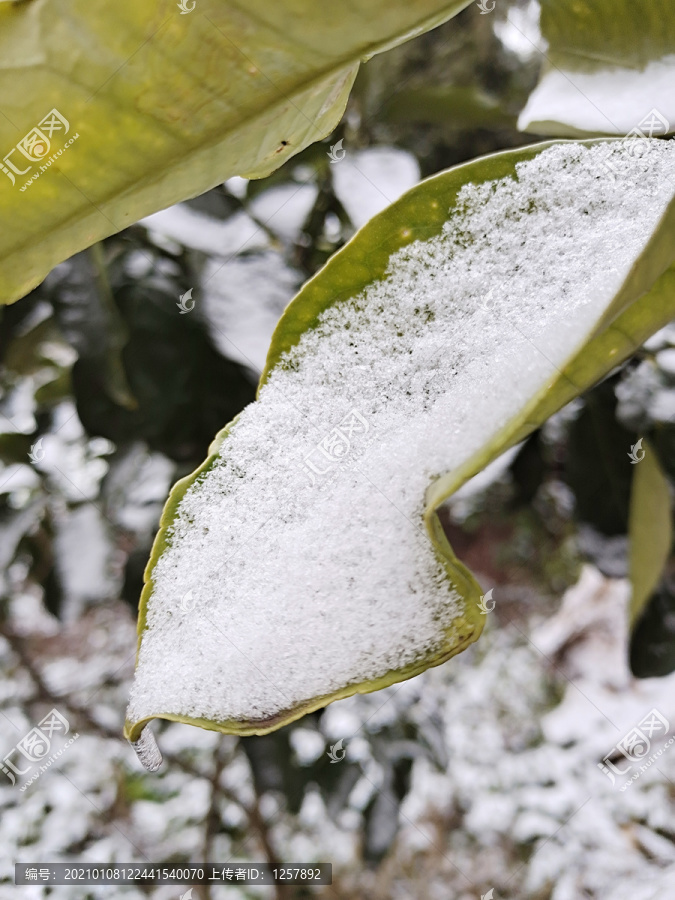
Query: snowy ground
[510, 797]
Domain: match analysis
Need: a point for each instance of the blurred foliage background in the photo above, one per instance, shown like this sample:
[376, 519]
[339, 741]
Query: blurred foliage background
[112, 387]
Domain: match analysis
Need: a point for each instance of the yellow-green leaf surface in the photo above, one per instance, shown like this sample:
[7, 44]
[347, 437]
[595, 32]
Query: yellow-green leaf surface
[452, 325]
[111, 112]
[650, 528]
[609, 69]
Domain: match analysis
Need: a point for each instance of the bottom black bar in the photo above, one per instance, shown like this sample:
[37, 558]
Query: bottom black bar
[207, 873]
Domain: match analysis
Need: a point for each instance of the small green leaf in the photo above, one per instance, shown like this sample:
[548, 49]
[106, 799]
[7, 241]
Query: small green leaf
[650, 529]
[112, 113]
[652, 623]
[596, 466]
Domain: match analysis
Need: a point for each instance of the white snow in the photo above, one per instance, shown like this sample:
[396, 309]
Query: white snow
[85, 577]
[662, 408]
[487, 711]
[200, 232]
[136, 488]
[243, 300]
[70, 458]
[367, 181]
[237, 186]
[665, 359]
[648, 388]
[307, 744]
[663, 338]
[301, 591]
[635, 393]
[519, 32]
[612, 100]
[284, 208]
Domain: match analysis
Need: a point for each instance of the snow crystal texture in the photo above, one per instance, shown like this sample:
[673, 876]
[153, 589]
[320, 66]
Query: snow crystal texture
[299, 564]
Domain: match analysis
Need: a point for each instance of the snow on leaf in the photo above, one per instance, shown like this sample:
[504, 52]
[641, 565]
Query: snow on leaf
[309, 536]
[608, 69]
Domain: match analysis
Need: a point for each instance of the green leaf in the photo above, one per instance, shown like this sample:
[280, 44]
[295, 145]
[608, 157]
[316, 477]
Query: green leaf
[652, 637]
[184, 389]
[86, 311]
[596, 467]
[652, 641]
[153, 106]
[650, 529]
[609, 64]
[520, 280]
[449, 105]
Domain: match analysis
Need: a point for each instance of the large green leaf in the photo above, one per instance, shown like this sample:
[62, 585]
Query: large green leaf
[491, 294]
[609, 65]
[154, 106]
